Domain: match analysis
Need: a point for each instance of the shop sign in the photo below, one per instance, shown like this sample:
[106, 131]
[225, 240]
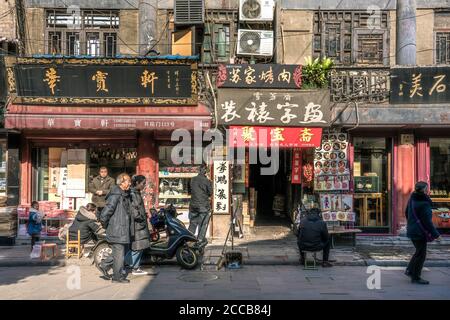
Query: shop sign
[78, 83]
[221, 187]
[296, 175]
[253, 136]
[274, 108]
[420, 85]
[331, 167]
[273, 76]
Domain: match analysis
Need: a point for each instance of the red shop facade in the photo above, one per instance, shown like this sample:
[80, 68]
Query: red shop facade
[63, 139]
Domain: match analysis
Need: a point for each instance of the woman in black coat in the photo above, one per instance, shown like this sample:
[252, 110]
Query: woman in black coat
[420, 230]
[140, 234]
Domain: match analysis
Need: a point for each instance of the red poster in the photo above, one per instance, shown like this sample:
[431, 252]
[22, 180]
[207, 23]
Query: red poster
[284, 137]
[296, 167]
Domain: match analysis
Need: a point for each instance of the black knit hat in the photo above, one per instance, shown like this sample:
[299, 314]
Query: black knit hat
[421, 186]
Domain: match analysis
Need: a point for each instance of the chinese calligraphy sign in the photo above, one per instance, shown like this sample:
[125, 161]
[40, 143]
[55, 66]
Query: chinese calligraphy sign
[275, 76]
[107, 84]
[296, 174]
[249, 136]
[274, 108]
[420, 85]
[221, 203]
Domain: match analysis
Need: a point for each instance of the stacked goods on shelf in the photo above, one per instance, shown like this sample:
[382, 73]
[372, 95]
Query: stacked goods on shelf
[50, 208]
[246, 212]
[253, 206]
[8, 221]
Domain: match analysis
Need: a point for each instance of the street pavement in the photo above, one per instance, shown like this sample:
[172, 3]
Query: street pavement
[250, 282]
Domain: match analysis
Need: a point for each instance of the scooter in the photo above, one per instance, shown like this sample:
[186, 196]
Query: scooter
[180, 243]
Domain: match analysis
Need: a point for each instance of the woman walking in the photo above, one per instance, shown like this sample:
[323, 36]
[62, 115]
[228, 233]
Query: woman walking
[140, 234]
[420, 230]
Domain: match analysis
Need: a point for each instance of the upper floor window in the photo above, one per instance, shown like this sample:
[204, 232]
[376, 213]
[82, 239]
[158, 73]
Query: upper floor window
[91, 32]
[219, 36]
[442, 36]
[352, 37]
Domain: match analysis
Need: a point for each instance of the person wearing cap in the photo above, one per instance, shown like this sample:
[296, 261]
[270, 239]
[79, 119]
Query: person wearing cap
[420, 230]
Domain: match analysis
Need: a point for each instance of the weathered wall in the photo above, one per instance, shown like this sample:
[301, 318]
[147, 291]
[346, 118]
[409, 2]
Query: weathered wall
[35, 31]
[424, 36]
[7, 21]
[128, 32]
[297, 28]
[98, 4]
[392, 36]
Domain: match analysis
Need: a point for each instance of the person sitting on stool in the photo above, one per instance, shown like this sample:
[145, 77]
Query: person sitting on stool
[313, 236]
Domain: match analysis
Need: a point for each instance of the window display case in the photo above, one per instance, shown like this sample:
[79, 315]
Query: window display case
[174, 182]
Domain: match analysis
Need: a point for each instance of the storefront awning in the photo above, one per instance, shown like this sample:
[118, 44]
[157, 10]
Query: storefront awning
[107, 118]
[288, 137]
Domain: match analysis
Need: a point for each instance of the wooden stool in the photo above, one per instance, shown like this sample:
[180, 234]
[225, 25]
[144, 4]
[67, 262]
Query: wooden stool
[45, 247]
[75, 245]
[314, 259]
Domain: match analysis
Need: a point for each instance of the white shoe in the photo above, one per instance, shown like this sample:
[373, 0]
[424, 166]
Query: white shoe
[139, 272]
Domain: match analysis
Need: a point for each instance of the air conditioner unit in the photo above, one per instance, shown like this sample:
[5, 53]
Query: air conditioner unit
[255, 43]
[256, 10]
[189, 12]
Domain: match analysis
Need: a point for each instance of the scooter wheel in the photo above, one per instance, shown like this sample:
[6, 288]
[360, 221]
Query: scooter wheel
[187, 257]
[102, 252]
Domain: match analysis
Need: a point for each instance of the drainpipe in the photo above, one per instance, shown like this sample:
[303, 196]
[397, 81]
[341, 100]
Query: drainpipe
[406, 32]
[148, 13]
[405, 160]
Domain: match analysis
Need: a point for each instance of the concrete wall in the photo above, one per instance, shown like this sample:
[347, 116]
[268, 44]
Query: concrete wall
[357, 4]
[128, 32]
[8, 22]
[424, 37]
[297, 28]
[35, 31]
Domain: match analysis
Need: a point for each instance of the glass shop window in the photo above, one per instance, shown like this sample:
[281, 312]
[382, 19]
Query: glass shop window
[371, 179]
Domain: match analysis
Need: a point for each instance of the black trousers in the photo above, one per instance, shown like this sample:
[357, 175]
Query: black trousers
[116, 260]
[325, 248]
[418, 259]
[34, 238]
[99, 212]
[200, 220]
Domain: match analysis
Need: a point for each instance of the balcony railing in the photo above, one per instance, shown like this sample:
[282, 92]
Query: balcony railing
[363, 84]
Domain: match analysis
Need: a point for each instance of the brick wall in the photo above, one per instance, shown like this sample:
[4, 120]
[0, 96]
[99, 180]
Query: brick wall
[7, 21]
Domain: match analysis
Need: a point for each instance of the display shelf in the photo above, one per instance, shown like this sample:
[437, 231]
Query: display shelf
[174, 196]
[440, 199]
[177, 175]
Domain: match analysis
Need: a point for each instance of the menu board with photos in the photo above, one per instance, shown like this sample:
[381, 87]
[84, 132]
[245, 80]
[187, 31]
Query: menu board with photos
[331, 168]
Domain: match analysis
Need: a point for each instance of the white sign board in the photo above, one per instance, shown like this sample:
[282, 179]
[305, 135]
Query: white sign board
[221, 187]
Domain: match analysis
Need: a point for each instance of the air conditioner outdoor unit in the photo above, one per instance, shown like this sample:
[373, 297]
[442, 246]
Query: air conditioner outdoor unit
[255, 42]
[256, 10]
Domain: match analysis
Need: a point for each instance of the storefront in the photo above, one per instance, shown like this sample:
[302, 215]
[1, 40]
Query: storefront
[272, 133]
[121, 118]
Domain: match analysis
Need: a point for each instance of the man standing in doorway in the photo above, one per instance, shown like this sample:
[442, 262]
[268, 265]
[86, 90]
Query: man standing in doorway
[200, 189]
[115, 218]
[100, 186]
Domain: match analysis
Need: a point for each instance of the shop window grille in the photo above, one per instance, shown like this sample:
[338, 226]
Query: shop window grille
[443, 47]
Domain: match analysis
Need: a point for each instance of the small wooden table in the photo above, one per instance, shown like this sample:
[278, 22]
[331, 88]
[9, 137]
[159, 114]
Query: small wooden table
[364, 207]
[344, 231]
[45, 246]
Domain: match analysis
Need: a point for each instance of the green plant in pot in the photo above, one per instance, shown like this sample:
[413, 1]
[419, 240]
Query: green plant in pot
[316, 72]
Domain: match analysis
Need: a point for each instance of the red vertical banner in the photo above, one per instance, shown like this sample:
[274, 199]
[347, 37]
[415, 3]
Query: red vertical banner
[296, 176]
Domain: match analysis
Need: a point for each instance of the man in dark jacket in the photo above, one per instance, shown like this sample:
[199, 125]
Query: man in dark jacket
[420, 230]
[200, 189]
[140, 234]
[86, 222]
[100, 186]
[313, 236]
[115, 218]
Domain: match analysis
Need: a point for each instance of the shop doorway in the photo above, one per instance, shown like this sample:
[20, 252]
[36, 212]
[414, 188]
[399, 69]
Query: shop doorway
[272, 192]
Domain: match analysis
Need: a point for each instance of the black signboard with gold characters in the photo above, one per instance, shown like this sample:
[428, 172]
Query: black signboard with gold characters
[274, 76]
[420, 85]
[106, 81]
